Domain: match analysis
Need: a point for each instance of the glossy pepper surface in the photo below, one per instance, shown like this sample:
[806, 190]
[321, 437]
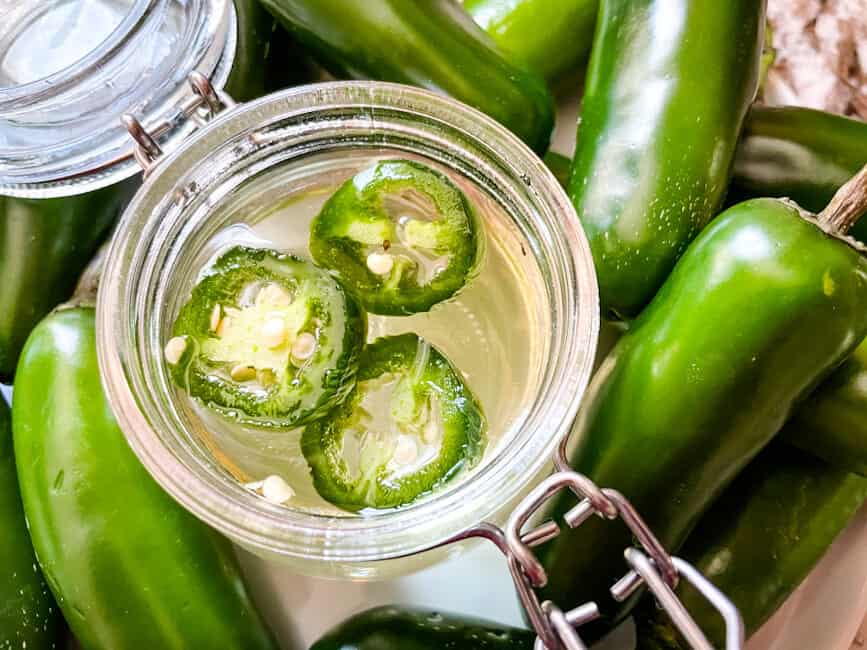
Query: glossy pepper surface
[266, 57]
[832, 422]
[433, 44]
[667, 89]
[405, 628]
[761, 307]
[552, 38]
[44, 246]
[129, 567]
[29, 618]
[799, 153]
[759, 541]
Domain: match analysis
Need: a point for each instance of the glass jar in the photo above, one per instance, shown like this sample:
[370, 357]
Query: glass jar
[220, 176]
[68, 71]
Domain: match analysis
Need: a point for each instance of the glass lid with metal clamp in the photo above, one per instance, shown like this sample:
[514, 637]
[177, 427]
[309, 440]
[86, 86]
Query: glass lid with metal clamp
[68, 70]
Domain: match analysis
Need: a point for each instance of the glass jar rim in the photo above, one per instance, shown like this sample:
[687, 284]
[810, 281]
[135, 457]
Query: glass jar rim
[250, 520]
[104, 156]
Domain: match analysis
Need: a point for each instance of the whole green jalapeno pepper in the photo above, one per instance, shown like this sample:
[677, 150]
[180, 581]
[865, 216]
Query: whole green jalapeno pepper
[266, 338]
[832, 423]
[400, 236]
[759, 541]
[129, 567]
[799, 153]
[432, 44]
[667, 89]
[407, 628]
[29, 618]
[552, 38]
[430, 428]
[763, 305]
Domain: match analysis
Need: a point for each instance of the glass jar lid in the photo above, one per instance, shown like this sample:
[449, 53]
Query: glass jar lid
[70, 69]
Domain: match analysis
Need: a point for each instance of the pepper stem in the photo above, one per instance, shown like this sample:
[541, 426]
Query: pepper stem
[848, 205]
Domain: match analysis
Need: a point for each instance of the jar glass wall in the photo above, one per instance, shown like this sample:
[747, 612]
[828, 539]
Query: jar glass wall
[225, 175]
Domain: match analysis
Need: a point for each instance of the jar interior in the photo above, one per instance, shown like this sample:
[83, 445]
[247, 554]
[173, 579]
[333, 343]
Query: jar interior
[223, 186]
[492, 330]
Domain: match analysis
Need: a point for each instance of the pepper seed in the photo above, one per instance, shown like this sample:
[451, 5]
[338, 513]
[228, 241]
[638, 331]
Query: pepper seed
[380, 263]
[406, 451]
[175, 349]
[274, 332]
[304, 346]
[216, 314]
[276, 490]
[242, 373]
[273, 294]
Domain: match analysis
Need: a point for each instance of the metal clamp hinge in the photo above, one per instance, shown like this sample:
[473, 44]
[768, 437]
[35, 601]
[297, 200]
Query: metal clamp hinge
[201, 106]
[650, 564]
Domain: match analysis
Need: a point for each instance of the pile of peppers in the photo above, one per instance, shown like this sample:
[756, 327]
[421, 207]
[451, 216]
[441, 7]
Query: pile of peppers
[732, 412]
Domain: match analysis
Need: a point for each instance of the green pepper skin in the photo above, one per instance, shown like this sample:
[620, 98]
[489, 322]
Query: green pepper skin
[433, 44]
[560, 166]
[762, 307]
[552, 38]
[266, 58]
[44, 246]
[29, 618]
[759, 541]
[799, 153]
[129, 567]
[664, 104]
[408, 628]
[832, 422]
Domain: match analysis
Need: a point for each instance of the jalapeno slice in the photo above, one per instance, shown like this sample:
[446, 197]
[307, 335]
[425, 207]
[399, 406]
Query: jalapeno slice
[410, 425]
[400, 235]
[267, 339]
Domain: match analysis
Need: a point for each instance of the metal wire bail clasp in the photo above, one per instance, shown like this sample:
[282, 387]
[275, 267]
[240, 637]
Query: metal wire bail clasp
[202, 105]
[650, 565]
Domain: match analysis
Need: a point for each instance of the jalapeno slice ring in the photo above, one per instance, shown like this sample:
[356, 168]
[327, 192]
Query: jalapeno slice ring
[267, 339]
[410, 425]
[400, 236]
